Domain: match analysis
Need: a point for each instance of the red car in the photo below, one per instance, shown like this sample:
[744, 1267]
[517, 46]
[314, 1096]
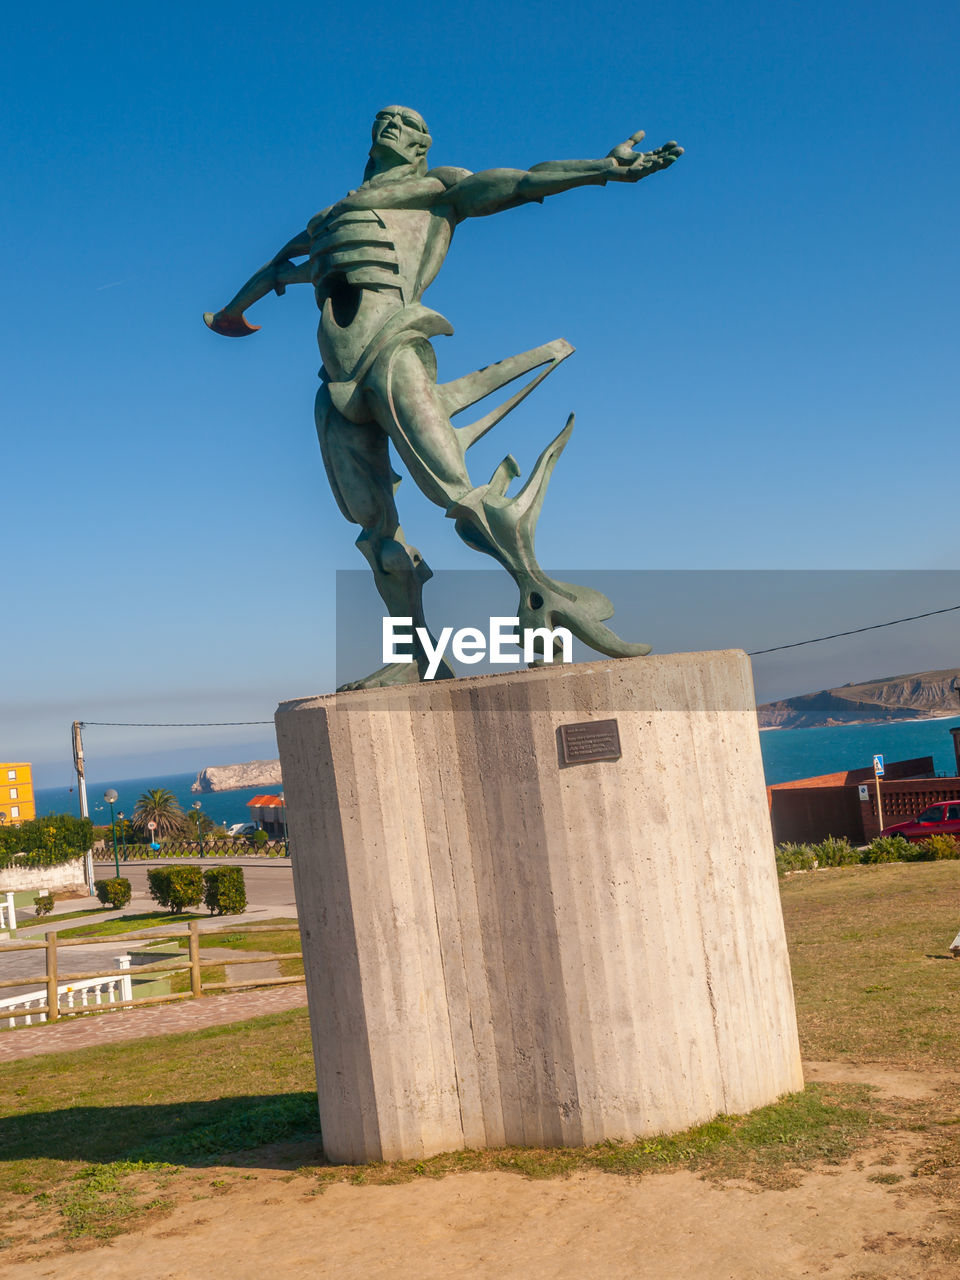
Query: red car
[941, 819]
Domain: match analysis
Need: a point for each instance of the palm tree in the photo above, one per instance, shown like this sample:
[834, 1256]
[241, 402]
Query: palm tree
[162, 807]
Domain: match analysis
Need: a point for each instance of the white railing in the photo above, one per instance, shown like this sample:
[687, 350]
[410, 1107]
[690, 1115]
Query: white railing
[83, 993]
[8, 914]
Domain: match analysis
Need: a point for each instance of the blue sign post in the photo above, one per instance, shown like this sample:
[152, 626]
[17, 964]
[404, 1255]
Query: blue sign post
[877, 775]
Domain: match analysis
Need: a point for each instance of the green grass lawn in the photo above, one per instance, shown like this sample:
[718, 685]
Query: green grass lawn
[80, 1130]
[873, 979]
[56, 916]
[100, 1135]
[129, 924]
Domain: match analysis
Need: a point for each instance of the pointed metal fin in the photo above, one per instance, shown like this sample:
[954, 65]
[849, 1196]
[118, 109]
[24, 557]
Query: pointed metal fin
[462, 392]
[526, 505]
[508, 470]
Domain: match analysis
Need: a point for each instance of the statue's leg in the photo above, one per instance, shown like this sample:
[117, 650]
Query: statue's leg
[363, 482]
[401, 390]
[402, 394]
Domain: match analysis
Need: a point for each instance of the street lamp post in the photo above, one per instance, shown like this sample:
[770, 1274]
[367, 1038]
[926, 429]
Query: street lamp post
[283, 820]
[111, 798]
[3, 818]
[123, 834]
[196, 806]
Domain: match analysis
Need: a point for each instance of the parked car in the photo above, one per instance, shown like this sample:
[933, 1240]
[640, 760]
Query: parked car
[242, 829]
[942, 819]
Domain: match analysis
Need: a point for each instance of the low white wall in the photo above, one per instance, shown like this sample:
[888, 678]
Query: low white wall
[68, 875]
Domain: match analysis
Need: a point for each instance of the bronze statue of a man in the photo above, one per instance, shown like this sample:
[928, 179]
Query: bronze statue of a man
[370, 257]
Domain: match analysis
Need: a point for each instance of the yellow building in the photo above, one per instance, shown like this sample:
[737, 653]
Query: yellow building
[16, 794]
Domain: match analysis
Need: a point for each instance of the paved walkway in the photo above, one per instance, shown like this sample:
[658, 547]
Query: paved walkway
[158, 1020]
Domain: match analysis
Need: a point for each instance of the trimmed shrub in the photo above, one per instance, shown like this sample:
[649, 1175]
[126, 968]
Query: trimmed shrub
[224, 891]
[795, 857]
[176, 887]
[889, 849]
[835, 853]
[43, 904]
[158, 882]
[260, 838]
[114, 892]
[938, 848]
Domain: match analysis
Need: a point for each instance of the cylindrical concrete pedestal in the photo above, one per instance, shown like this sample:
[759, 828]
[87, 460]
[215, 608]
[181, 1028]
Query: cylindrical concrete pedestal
[505, 948]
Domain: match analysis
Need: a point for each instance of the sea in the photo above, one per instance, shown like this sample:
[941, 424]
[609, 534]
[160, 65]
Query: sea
[787, 754]
[224, 807]
[805, 753]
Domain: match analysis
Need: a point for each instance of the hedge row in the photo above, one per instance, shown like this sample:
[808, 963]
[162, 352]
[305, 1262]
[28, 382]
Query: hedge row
[841, 853]
[45, 842]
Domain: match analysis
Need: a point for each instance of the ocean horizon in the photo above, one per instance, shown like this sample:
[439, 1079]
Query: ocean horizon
[788, 754]
[224, 807]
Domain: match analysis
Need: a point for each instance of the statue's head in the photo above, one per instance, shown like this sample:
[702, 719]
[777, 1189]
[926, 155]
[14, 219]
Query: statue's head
[401, 132]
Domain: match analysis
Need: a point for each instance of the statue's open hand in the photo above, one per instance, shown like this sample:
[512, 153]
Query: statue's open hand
[230, 324]
[633, 165]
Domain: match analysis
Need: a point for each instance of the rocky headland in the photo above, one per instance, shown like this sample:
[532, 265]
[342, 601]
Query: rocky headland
[923, 695]
[231, 777]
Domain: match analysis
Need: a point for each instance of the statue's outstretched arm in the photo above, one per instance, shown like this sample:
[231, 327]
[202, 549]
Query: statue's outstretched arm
[274, 277]
[497, 189]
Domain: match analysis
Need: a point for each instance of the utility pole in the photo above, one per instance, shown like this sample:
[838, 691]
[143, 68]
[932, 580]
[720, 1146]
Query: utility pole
[82, 792]
[78, 765]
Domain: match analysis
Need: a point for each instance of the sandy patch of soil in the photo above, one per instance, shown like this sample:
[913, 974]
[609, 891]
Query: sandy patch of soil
[483, 1225]
[890, 1082]
[838, 1222]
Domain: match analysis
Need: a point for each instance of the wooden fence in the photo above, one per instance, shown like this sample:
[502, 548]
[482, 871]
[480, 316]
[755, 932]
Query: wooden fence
[193, 964]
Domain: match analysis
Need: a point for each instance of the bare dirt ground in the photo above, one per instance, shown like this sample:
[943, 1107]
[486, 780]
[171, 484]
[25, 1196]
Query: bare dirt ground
[869, 1218]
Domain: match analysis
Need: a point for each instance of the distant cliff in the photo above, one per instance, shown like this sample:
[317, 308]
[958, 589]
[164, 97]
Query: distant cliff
[229, 777]
[923, 695]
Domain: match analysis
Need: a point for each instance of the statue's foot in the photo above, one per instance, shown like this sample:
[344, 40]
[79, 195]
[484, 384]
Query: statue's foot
[582, 610]
[395, 673]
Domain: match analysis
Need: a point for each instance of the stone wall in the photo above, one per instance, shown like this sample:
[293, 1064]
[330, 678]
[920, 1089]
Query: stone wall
[68, 875]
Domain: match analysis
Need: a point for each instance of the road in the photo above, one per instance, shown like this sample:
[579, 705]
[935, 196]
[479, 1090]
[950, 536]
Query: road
[269, 882]
[269, 887]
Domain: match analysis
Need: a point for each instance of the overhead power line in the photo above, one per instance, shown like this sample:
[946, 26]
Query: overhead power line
[753, 653]
[180, 724]
[877, 626]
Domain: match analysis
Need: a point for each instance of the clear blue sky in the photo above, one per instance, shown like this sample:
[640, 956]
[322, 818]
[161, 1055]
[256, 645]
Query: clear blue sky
[766, 334]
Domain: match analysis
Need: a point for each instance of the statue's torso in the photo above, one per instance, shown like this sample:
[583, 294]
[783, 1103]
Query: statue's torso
[399, 249]
[369, 257]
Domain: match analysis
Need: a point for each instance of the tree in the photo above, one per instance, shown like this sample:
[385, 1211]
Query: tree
[207, 824]
[162, 807]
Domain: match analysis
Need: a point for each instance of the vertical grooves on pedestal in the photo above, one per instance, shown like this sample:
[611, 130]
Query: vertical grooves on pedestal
[501, 949]
[341, 1045]
[440, 864]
